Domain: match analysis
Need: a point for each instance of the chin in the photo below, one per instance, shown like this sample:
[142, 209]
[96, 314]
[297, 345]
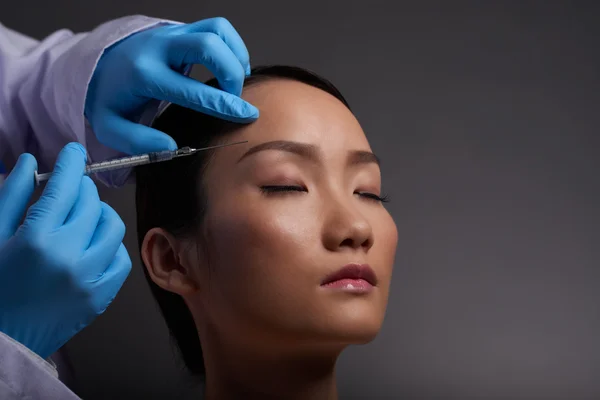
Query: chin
[356, 330]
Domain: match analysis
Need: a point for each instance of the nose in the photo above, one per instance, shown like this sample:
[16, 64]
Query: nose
[345, 227]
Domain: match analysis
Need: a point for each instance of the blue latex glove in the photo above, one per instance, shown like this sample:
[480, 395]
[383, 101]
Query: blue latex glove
[149, 65]
[64, 265]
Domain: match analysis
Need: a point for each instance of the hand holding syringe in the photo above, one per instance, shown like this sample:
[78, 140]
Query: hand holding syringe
[133, 161]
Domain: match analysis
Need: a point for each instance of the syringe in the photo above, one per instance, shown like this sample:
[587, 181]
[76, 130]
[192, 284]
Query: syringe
[133, 161]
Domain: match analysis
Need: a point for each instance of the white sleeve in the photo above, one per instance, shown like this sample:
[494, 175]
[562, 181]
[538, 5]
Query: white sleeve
[25, 375]
[43, 85]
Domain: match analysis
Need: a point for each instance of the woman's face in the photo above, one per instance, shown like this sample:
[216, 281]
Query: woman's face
[286, 210]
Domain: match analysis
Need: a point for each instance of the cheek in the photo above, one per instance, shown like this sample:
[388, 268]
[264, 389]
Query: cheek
[386, 241]
[390, 236]
[258, 247]
[262, 270]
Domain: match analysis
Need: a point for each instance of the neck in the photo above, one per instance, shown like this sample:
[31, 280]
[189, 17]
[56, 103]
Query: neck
[235, 375]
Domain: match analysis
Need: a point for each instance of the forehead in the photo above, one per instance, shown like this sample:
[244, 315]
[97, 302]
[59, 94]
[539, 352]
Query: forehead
[291, 110]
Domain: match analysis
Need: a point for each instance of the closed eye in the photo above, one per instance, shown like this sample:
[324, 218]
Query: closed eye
[373, 196]
[269, 189]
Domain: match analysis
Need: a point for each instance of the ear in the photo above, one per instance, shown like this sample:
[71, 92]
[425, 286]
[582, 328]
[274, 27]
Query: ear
[161, 256]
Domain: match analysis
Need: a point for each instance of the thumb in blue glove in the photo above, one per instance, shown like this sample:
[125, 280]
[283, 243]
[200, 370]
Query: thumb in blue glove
[149, 66]
[64, 265]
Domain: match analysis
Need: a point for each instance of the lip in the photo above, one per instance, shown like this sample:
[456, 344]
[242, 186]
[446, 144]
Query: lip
[352, 272]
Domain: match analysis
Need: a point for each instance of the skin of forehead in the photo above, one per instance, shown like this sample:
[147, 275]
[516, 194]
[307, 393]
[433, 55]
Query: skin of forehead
[292, 110]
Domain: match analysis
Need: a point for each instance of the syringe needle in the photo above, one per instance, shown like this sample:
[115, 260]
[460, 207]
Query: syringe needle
[187, 151]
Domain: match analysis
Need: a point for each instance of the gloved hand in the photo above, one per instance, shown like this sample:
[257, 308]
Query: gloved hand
[149, 65]
[64, 265]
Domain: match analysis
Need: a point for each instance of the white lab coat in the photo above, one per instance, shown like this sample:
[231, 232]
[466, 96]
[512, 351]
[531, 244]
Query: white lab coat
[42, 94]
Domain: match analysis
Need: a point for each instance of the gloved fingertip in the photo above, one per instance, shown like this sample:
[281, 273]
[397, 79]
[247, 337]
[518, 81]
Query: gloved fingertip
[77, 146]
[172, 145]
[164, 142]
[250, 111]
[159, 143]
[248, 70]
[25, 159]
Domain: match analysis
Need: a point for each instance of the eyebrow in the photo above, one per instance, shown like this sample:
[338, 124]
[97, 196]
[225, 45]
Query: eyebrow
[311, 152]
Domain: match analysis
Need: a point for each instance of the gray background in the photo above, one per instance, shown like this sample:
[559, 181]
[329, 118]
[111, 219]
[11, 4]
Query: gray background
[486, 117]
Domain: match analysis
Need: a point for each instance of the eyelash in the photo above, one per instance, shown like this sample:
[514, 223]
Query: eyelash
[282, 188]
[272, 189]
[371, 196]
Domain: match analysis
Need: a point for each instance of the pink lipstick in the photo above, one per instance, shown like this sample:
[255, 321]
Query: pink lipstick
[355, 278]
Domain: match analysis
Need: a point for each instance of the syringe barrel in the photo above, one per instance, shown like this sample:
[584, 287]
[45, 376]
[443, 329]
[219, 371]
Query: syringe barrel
[116, 164]
[125, 162]
[160, 156]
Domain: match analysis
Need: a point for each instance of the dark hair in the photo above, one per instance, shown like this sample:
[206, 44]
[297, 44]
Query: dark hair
[168, 196]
